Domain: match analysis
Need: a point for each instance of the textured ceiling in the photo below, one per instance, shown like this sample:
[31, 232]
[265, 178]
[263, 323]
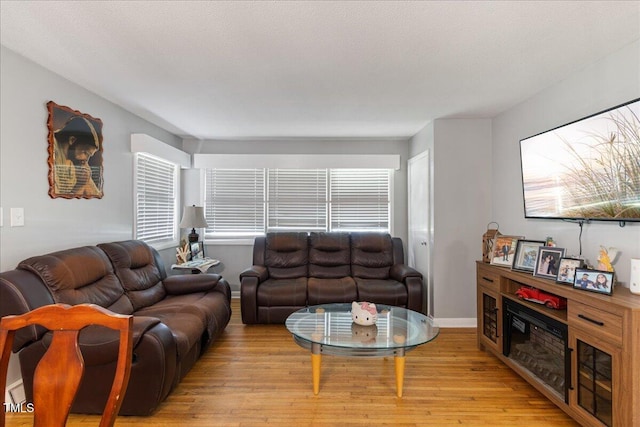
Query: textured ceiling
[212, 70]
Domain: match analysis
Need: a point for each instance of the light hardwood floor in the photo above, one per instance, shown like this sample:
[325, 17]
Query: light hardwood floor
[257, 375]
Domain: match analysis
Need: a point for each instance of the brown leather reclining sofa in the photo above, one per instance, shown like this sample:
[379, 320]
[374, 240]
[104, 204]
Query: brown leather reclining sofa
[294, 270]
[175, 318]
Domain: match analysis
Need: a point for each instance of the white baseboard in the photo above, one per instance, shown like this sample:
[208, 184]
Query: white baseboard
[452, 322]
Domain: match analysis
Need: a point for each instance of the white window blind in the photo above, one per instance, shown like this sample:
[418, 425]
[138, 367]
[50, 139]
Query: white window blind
[155, 199]
[297, 200]
[234, 202]
[360, 199]
[250, 202]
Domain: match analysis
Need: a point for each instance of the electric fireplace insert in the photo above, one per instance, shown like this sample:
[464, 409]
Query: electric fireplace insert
[537, 343]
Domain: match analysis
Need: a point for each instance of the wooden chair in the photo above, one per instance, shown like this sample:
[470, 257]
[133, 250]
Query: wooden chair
[58, 374]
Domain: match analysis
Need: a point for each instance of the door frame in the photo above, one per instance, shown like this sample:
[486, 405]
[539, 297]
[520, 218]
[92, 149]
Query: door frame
[428, 279]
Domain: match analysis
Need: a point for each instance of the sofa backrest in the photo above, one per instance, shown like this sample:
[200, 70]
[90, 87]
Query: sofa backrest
[329, 255]
[135, 265]
[286, 255]
[80, 275]
[371, 255]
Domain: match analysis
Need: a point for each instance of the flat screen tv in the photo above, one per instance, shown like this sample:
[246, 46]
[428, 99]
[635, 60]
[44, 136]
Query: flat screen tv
[588, 169]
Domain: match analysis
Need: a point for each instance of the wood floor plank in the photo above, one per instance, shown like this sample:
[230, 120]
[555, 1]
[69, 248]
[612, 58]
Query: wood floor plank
[256, 375]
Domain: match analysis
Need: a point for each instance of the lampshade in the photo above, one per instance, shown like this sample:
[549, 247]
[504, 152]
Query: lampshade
[193, 217]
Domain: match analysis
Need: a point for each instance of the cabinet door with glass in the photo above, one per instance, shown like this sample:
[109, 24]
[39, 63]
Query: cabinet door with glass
[594, 392]
[489, 319]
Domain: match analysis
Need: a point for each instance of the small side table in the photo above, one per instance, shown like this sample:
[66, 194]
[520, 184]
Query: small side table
[197, 266]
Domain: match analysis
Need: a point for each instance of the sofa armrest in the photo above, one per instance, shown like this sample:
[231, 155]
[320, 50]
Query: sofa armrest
[190, 283]
[258, 271]
[400, 272]
[412, 279]
[20, 292]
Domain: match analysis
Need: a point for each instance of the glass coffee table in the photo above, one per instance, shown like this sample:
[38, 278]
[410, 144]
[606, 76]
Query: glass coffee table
[328, 329]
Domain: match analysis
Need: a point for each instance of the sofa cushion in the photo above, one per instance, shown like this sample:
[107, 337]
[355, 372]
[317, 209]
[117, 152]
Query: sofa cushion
[286, 255]
[371, 255]
[80, 275]
[99, 345]
[329, 255]
[322, 291]
[287, 292]
[212, 313]
[387, 292]
[135, 266]
[186, 328]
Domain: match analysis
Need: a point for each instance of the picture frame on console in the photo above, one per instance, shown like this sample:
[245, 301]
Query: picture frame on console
[526, 255]
[548, 261]
[567, 270]
[599, 281]
[503, 250]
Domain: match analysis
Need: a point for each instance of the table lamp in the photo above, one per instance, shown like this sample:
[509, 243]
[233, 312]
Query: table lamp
[193, 217]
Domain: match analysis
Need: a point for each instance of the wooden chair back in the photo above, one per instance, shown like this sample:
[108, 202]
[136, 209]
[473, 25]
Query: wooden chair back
[58, 374]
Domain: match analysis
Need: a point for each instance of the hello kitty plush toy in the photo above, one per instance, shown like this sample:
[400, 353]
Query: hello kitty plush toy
[364, 313]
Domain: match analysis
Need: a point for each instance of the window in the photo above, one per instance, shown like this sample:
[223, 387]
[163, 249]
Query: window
[249, 202]
[234, 202]
[360, 199]
[156, 201]
[297, 200]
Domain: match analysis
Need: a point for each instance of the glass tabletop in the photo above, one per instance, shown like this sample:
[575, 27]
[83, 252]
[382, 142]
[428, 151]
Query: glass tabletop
[331, 326]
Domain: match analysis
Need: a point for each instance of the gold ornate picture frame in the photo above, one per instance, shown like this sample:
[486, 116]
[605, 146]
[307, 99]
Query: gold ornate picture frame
[75, 154]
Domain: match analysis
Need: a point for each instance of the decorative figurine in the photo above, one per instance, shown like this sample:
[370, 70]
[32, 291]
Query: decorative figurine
[183, 254]
[607, 258]
[364, 313]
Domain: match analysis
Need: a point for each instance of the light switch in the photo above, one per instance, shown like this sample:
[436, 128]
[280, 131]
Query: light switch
[17, 217]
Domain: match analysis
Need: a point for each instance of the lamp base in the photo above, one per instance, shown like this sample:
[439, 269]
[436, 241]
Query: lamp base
[193, 236]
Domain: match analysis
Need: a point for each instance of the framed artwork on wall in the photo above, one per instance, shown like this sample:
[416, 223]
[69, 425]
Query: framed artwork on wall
[526, 255]
[75, 153]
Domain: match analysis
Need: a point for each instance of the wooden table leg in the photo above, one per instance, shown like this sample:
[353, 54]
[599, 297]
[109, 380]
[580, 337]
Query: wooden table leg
[316, 358]
[399, 362]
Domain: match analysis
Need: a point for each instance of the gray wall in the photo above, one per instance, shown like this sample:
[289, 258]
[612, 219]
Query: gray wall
[461, 198]
[604, 84]
[476, 179]
[235, 258]
[55, 224]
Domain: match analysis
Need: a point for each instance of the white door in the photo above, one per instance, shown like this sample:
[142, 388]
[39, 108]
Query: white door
[419, 242]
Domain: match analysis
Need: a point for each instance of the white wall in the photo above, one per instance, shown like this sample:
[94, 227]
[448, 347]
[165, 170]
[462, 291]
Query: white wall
[604, 84]
[56, 224]
[235, 258]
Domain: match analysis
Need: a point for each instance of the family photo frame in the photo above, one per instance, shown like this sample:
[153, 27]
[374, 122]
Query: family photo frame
[197, 250]
[548, 261]
[599, 281]
[567, 270]
[526, 255]
[503, 250]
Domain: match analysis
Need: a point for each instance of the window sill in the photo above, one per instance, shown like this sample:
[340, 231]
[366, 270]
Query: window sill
[229, 242]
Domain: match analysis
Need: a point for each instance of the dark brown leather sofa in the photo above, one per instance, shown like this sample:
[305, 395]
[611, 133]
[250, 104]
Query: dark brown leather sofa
[294, 270]
[176, 318]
